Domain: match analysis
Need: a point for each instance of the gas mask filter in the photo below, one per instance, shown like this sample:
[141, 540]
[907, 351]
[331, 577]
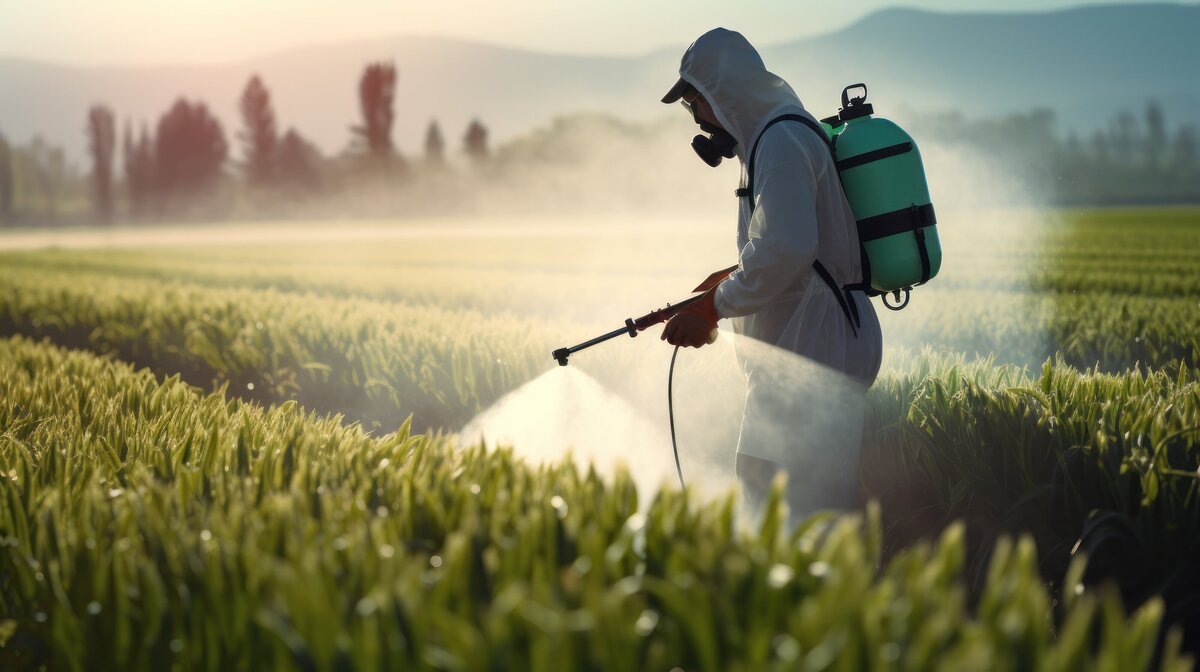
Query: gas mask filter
[715, 146]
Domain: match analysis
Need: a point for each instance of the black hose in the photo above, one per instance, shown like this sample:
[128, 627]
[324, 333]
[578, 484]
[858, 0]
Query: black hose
[671, 414]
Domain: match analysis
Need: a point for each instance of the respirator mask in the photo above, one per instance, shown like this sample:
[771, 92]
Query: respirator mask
[715, 146]
[711, 148]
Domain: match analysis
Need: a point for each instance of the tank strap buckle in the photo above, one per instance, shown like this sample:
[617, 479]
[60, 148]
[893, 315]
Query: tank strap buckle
[896, 295]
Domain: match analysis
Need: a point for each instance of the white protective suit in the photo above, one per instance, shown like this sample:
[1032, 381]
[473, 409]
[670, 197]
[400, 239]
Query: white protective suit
[775, 296]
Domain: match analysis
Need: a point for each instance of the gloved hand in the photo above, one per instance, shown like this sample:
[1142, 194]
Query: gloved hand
[715, 279]
[695, 325]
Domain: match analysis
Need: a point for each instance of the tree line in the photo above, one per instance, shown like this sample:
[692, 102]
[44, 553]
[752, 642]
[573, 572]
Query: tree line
[179, 164]
[36, 181]
[1135, 158]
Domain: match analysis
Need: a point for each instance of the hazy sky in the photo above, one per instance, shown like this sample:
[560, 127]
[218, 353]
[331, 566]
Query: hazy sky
[106, 32]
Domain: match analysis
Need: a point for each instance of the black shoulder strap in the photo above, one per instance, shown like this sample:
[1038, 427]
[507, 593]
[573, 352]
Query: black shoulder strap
[754, 151]
[844, 298]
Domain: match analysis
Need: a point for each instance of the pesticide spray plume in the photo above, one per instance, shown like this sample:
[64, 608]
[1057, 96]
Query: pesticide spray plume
[565, 414]
[610, 409]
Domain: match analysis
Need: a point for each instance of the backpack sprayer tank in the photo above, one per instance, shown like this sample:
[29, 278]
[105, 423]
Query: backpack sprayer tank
[884, 181]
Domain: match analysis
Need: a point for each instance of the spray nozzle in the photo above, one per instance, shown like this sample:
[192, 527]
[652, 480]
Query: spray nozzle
[561, 355]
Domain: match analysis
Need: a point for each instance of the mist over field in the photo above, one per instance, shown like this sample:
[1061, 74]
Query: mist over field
[472, 129]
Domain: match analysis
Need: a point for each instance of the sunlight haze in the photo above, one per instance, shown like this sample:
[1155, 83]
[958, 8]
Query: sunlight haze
[131, 32]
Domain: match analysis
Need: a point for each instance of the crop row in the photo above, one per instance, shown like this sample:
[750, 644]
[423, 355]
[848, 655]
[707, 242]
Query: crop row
[378, 362]
[1113, 331]
[373, 362]
[146, 526]
[1111, 461]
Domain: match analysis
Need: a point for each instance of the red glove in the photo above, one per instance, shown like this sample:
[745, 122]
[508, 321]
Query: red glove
[695, 325]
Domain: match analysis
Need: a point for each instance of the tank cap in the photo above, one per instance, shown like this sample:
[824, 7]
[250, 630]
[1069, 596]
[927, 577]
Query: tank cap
[853, 108]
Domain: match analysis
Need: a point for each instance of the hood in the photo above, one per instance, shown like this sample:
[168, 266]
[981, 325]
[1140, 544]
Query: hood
[731, 76]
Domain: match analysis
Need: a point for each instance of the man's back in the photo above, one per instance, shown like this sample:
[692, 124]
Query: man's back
[799, 202]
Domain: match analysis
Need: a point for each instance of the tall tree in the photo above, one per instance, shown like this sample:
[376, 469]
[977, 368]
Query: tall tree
[190, 149]
[475, 141]
[298, 162]
[435, 146]
[1187, 148]
[49, 168]
[1101, 148]
[376, 96]
[102, 144]
[1156, 133]
[139, 168]
[128, 150]
[7, 179]
[258, 135]
[1123, 133]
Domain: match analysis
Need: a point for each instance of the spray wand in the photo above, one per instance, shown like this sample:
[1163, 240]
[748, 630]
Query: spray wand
[632, 327]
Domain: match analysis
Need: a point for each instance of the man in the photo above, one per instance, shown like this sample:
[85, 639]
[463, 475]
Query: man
[794, 215]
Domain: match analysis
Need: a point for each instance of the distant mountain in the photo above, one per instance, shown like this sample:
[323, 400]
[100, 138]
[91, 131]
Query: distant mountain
[1084, 63]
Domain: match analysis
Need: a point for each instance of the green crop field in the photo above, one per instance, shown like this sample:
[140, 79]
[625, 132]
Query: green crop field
[243, 456]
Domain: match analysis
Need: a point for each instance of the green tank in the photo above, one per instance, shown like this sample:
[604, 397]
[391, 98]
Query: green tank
[884, 181]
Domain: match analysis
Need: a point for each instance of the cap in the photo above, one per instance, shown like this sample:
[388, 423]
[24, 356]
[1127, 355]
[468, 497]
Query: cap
[676, 91]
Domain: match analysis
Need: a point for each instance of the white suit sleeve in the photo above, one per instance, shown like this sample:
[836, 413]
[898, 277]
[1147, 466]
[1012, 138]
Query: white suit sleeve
[782, 231]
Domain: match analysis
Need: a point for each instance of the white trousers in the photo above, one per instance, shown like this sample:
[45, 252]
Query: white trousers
[808, 425]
